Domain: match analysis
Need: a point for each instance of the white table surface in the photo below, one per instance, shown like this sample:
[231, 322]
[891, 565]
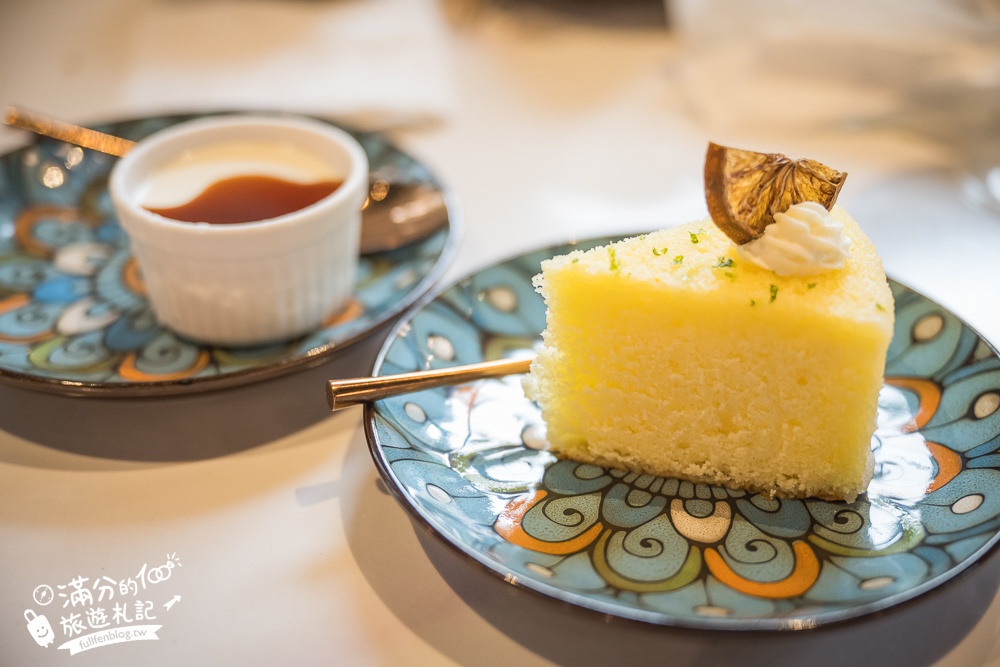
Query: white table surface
[547, 125]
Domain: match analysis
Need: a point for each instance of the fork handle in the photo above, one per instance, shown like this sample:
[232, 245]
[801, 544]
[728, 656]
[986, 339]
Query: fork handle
[343, 393]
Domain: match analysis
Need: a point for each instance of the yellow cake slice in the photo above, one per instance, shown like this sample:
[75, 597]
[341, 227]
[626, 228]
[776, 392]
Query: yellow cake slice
[670, 354]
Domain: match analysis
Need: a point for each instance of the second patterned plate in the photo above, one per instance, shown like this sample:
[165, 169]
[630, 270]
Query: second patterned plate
[74, 318]
[468, 463]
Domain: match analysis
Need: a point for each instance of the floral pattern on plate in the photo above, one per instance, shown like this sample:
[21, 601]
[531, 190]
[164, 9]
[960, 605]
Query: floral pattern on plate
[73, 311]
[470, 463]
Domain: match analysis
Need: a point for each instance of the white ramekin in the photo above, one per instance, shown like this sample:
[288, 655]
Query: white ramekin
[256, 282]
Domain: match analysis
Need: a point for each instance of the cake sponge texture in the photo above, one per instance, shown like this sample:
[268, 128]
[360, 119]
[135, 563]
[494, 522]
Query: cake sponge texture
[668, 354]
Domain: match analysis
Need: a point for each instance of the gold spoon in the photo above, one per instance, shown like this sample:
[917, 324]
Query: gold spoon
[393, 215]
[344, 393]
[73, 134]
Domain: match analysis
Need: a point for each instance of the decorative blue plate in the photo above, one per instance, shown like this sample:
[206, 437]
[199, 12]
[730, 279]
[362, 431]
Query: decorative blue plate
[73, 312]
[469, 463]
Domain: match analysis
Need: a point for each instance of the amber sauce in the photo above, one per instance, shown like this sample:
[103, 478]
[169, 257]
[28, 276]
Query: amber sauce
[248, 199]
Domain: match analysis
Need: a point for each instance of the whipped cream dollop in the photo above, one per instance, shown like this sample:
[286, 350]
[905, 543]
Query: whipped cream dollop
[803, 241]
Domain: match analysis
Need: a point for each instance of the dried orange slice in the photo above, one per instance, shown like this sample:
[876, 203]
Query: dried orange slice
[745, 189]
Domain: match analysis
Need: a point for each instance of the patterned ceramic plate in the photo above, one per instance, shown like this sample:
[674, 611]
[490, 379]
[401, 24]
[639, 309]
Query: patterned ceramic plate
[469, 463]
[73, 312]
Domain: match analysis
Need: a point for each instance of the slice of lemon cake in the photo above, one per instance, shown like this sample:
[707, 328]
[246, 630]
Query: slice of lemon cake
[675, 354]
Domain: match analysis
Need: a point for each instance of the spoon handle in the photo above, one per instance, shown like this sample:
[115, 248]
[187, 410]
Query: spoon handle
[343, 393]
[74, 134]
